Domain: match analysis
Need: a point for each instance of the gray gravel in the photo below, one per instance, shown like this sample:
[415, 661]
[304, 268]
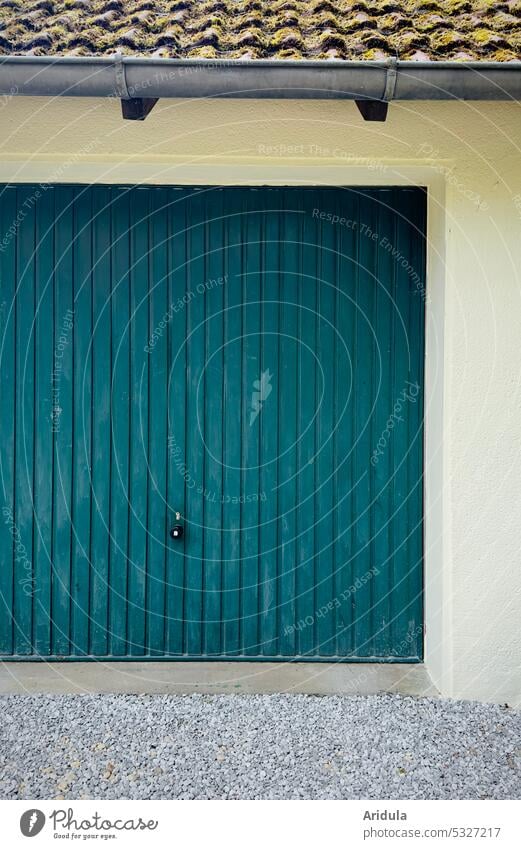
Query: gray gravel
[257, 747]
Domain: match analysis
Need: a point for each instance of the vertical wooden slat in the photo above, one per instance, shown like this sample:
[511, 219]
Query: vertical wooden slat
[325, 615]
[44, 322]
[270, 429]
[23, 507]
[348, 607]
[82, 423]
[139, 387]
[335, 564]
[287, 401]
[8, 213]
[101, 425]
[63, 435]
[232, 424]
[307, 409]
[252, 405]
[380, 450]
[344, 386]
[120, 433]
[195, 425]
[364, 353]
[157, 433]
[176, 363]
[213, 424]
[401, 602]
[339, 447]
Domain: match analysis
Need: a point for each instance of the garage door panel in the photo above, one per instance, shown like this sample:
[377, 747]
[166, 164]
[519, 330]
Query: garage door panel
[240, 357]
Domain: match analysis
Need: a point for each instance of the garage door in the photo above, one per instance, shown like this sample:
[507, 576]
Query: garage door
[241, 368]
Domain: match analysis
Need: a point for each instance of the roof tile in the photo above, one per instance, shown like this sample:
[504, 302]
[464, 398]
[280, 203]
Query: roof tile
[259, 29]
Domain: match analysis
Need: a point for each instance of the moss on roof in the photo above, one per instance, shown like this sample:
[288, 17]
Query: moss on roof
[260, 29]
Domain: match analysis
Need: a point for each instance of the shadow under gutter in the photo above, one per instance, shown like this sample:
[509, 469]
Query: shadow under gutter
[140, 81]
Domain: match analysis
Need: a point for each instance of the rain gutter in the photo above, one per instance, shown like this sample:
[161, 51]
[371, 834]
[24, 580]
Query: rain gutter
[140, 81]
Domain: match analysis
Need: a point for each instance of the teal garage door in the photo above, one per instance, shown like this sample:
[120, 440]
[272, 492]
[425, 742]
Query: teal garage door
[211, 422]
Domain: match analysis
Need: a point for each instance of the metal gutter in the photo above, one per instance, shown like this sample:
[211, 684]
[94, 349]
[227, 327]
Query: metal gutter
[139, 82]
[128, 77]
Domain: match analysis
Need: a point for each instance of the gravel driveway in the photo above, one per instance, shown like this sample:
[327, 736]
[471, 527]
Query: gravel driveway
[257, 747]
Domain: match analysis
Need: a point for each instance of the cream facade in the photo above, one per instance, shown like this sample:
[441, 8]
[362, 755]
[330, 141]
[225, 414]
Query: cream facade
[467, 154]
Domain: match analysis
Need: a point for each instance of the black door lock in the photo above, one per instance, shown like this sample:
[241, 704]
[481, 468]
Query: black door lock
[177, 531]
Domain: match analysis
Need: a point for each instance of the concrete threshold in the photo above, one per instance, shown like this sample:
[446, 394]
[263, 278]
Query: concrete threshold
[215, 677]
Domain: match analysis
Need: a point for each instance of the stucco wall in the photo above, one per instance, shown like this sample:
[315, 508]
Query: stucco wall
[468, 155]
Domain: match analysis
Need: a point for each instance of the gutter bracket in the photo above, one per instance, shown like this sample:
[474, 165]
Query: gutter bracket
[137, 108]
[390, 80]
[120, 86]
[132, 108]
[372, 110]
[376, 110]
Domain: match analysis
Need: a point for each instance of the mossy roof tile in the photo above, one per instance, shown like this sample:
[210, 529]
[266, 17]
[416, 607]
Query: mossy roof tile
[263, 29]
